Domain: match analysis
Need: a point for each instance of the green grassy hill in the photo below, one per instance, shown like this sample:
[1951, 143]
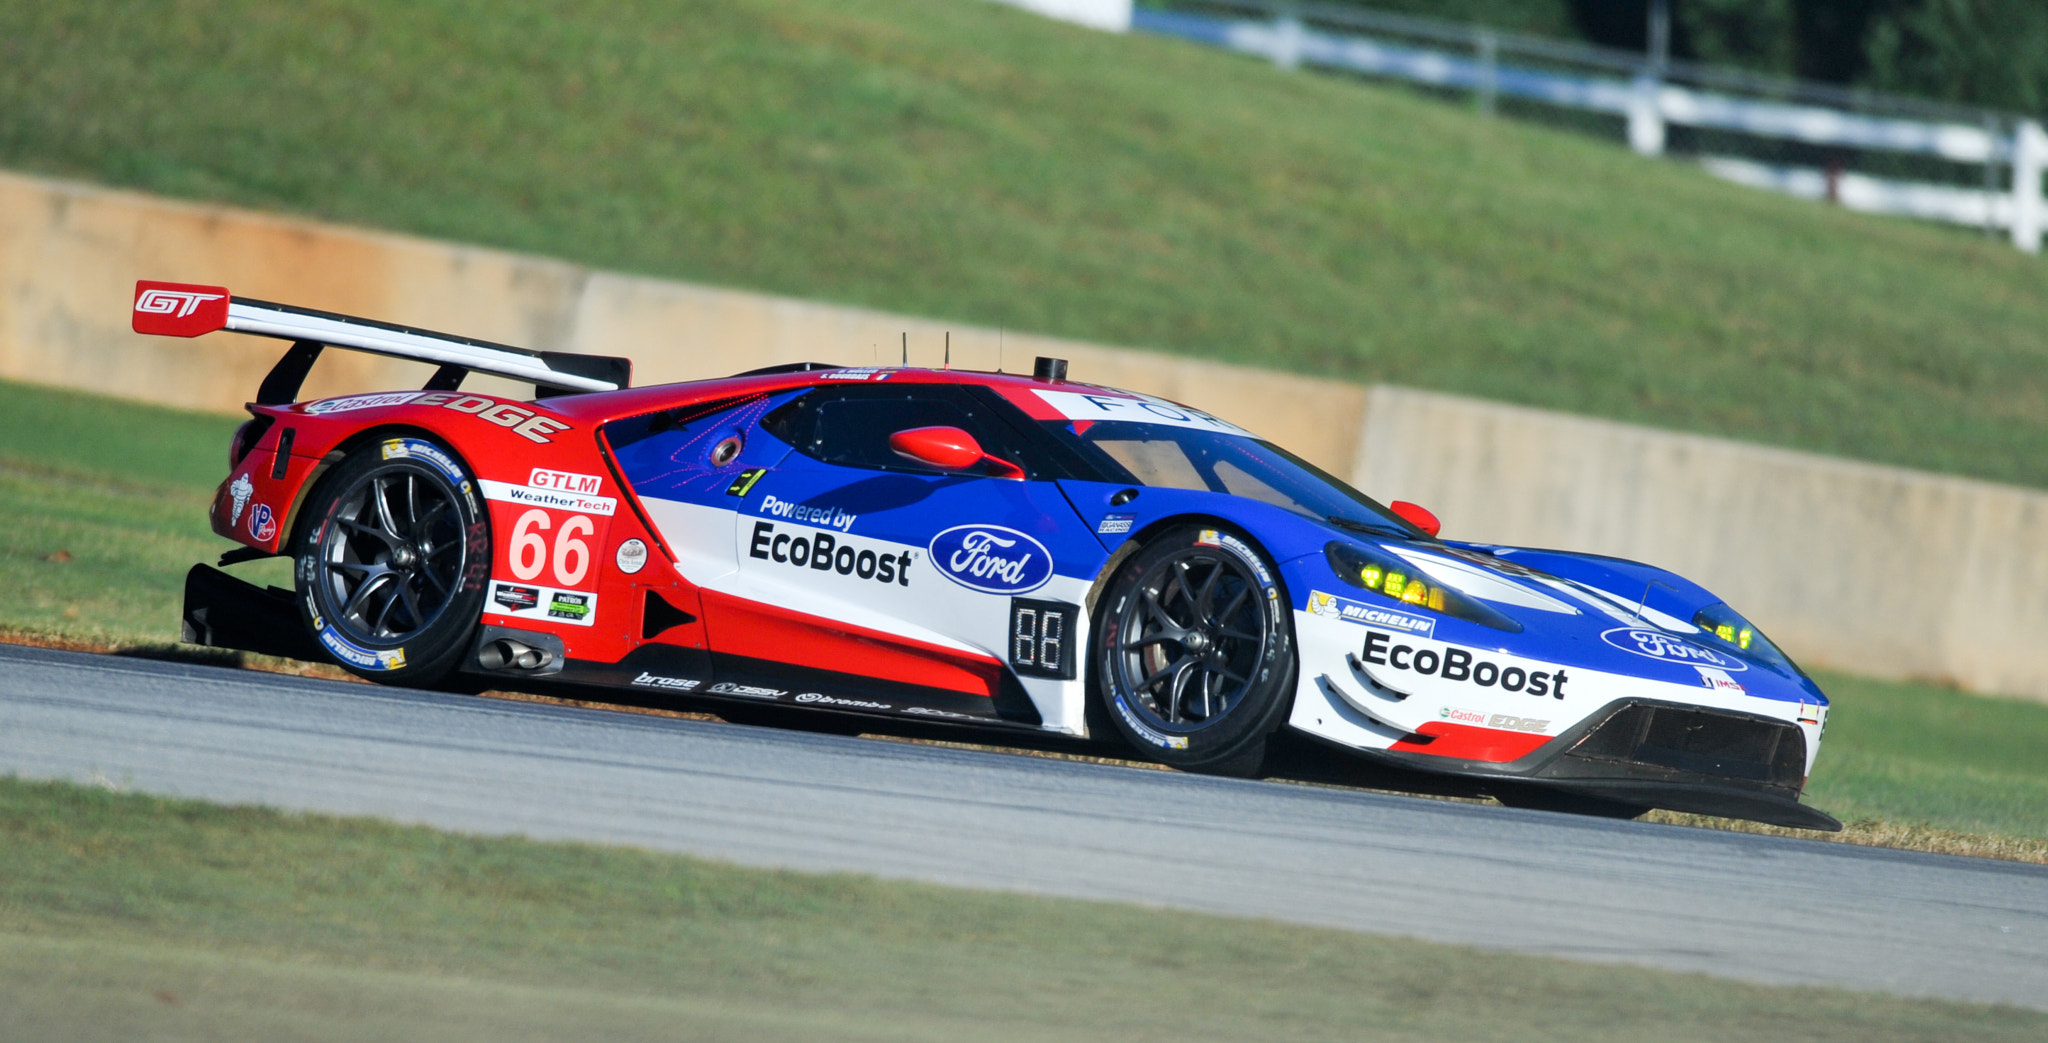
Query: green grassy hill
[973, 162]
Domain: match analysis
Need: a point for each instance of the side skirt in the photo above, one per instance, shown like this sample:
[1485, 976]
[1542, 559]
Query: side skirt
[673, 676]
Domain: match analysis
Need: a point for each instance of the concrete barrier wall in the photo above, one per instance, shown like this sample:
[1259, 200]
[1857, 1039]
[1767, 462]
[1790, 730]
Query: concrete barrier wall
[1873, 570]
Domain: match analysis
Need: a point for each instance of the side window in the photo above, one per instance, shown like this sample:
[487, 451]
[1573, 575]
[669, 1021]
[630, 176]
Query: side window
[851, 426]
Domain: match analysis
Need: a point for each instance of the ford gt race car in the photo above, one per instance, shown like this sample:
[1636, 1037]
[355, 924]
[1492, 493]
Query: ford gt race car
[1000, 551]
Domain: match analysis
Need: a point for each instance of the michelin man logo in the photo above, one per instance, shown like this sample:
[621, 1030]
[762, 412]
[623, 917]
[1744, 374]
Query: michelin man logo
[242, 489]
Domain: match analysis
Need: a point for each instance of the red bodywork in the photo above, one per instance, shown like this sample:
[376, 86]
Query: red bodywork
[508, 441]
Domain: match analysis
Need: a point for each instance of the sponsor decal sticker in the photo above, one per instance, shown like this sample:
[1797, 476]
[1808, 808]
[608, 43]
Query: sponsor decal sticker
[632, 557]
[680, 684]
[926, 711]
[1655, 644]
[822, 517]
[1503, 721]
[524, 422]
[542, 603]
[414, 449]
[349, 652]
[751, 692]
[825, 552]
[241, 489]
[354, 402]
[855, 374]
[1334, 607]
[262, 524]
[818, 699]
[553, 499]
[991, 559]
[1718, 680]
[516, 599]
[1115, 524]
[745, 481]
[1457, 664]
[565, 481]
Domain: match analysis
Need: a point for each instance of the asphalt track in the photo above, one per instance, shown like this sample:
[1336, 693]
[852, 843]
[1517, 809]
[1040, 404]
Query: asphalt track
[1763, 909]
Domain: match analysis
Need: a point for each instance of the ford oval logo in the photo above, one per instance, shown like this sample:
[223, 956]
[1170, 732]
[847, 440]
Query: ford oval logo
[1656, 644]
[991, 559]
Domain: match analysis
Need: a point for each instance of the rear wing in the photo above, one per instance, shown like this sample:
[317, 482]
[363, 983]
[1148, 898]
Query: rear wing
[182, 310]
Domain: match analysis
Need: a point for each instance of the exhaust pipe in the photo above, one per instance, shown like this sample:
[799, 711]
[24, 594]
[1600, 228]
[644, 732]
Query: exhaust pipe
[507, 654]
[502, 650]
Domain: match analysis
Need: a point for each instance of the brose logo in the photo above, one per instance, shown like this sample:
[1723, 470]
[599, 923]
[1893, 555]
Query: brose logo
[683, 684]
[991, 559]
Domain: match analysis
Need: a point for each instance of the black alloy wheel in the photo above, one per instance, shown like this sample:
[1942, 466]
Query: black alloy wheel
[394, 556]
[1195, 652]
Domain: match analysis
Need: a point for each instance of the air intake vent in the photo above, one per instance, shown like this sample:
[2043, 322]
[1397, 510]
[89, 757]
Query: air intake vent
[1658, 741]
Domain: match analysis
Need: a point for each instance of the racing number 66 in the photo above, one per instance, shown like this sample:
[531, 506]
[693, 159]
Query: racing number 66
[530, 551]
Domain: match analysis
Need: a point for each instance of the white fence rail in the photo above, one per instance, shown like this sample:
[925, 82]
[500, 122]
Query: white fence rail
[1650, 98]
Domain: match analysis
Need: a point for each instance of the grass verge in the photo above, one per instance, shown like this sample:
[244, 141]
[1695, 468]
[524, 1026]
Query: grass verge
[974, 162]
[126, 916]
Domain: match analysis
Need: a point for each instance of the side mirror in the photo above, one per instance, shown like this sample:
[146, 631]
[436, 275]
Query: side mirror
[1416, 515]
[949, 449]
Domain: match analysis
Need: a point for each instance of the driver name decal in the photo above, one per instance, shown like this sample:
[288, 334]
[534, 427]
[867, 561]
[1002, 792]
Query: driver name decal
[1075, 405]
[991, 559]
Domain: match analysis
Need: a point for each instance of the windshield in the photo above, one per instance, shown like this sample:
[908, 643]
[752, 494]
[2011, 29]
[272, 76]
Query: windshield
[1213, 461]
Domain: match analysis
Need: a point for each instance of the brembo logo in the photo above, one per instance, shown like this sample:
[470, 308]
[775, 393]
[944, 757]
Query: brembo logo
[1656, 645]
[991, 559]
[176, 303]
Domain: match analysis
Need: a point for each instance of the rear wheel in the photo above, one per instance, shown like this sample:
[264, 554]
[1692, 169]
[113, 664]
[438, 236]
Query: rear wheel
[393, 559]
[1194, 651]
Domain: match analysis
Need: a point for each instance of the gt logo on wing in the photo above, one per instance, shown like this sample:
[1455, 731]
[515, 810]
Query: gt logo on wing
[175, 303]
[176, 309]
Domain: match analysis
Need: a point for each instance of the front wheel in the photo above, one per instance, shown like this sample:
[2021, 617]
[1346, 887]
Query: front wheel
[1194, 657]
[394, 556]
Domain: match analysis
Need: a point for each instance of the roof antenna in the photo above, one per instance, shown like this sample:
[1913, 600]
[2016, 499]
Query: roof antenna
[949, 349]
[999, 349]
[906, 347]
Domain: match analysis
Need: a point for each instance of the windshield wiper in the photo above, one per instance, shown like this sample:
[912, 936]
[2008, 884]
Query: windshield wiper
[1354, 525]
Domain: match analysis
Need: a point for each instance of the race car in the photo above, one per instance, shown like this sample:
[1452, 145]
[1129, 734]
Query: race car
[1010, 552]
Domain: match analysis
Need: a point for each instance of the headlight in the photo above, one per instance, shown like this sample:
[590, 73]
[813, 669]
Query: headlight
[1725, 625]
[1402, 583]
